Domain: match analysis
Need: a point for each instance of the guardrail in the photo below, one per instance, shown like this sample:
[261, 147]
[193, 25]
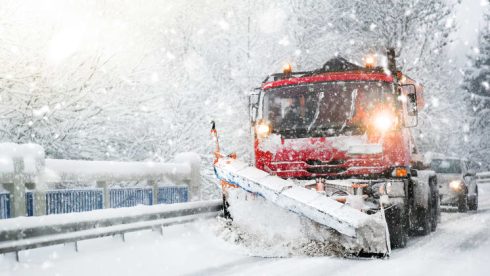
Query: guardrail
[32, 232]
[483, 178]
[24, 168]
[81, 200]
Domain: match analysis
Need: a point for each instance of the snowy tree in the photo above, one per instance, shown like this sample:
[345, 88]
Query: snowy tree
[62, 84]
[477, 85]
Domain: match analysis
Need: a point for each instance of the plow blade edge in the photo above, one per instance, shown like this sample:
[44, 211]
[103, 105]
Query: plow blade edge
[369, 232]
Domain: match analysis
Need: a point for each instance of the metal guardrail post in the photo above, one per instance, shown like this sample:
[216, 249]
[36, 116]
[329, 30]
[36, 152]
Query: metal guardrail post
[39, 203]
[194, 160]
[154, 186]
[104, 186]
[17, 190]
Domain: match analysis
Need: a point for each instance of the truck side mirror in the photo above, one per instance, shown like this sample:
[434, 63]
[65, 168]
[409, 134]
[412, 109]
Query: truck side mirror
[410, 93]
[412, 104]
[253, 106]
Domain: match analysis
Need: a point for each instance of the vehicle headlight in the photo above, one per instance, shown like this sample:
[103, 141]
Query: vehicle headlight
[263, 129]
[455, 185]
[384, 121]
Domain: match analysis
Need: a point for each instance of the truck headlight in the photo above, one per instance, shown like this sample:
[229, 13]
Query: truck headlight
[384, 121]
[263, 129]
[455, 185]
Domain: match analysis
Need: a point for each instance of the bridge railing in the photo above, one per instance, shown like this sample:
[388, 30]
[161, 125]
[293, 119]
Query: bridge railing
[483, 178]
[81, 200]
[128, 197]
[25, 176]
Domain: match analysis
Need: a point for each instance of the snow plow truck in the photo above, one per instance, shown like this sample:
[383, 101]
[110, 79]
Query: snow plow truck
[334, 145]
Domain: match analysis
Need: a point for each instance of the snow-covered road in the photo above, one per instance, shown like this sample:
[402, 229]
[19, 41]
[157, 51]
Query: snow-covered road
[460, 246]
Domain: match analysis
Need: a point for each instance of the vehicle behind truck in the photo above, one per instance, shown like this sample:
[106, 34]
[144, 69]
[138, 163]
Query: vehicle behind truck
[457, 183]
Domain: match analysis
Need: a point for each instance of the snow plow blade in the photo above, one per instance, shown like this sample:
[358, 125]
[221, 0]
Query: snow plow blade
[364, 235]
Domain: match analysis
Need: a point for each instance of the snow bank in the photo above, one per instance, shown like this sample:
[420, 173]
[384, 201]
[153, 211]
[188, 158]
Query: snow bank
[57, 169]
[31, 154]
[263, 228]
[188, 157]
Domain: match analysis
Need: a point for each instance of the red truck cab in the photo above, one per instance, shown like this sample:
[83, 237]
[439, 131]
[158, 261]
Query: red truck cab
[340, 121]
[347, 127]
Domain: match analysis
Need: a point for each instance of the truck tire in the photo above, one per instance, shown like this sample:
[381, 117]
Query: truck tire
[397, 227]
[435, 208]
[473, 205]
[425, 219]
[463, 203]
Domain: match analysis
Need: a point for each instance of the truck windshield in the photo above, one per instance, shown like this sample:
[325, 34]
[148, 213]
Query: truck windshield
[446, 165]
[325, 109]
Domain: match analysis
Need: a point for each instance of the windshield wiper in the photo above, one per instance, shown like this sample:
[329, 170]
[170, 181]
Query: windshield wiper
[317, 111]
[352, 108]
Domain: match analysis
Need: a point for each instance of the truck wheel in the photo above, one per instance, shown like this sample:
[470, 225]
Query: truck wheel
[397, 227]
[435, 207]
[226, 212]
[425, 219]
[434, 218]
[463, 203]
[473, 205]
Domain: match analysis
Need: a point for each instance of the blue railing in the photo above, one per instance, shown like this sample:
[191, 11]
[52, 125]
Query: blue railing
[69, 201]
[128, 197]
[80, 200]
[172, 194]
[4, 205]
[30, 203]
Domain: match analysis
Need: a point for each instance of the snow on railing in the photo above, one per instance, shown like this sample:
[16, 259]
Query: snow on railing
[31, 232]
[23, 167]
[483, 178]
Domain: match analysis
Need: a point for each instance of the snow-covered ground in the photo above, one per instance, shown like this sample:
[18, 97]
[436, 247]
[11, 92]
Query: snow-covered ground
[460, 246]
